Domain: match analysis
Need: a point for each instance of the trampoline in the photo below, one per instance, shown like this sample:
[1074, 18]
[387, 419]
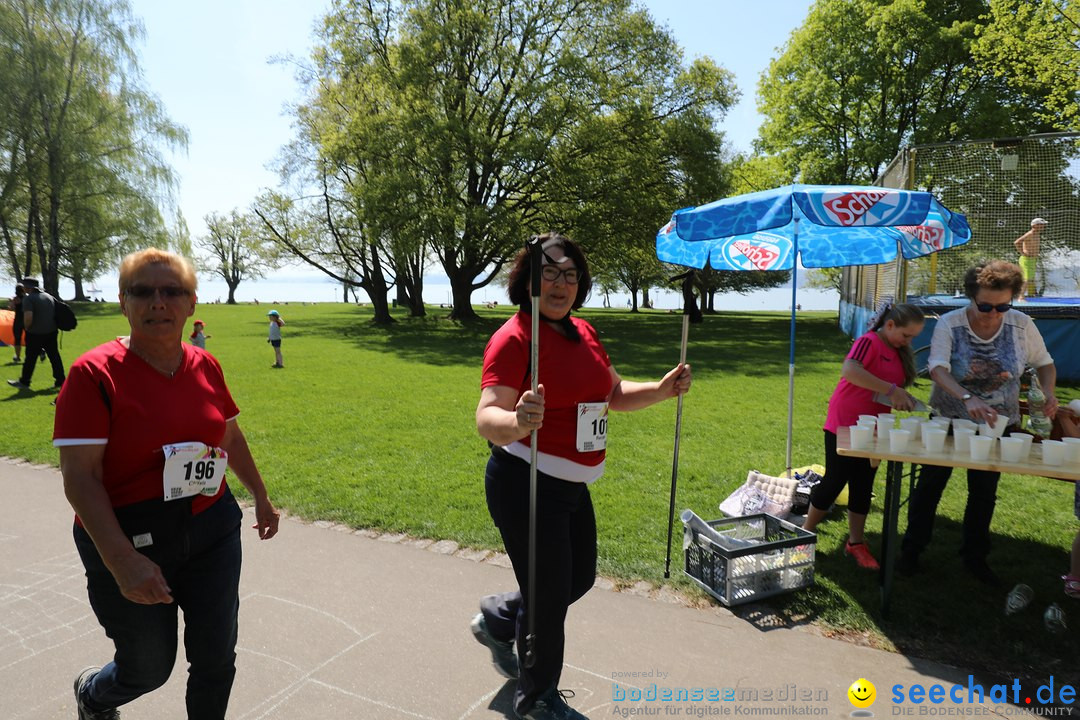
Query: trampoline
[1056, 317]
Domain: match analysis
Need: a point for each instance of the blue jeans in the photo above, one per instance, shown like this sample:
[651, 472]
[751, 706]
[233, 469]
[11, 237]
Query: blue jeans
[199, 556]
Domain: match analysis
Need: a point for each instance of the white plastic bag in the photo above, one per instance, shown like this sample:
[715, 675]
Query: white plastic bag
[761, 494]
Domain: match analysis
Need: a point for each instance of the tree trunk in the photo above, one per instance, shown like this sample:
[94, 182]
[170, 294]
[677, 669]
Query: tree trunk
[416, 299]
[633, 300]
[712, 301]
[402, 292]
[380, 301]
[232, 293]
[33, 229]
[9, 246]
[645, 302]
[79, 294]
[376, 288]
[461, 288]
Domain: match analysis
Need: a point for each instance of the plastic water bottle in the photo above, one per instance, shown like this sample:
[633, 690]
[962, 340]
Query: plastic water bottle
[1038, 423]
[1054, 619]
[1018, 598]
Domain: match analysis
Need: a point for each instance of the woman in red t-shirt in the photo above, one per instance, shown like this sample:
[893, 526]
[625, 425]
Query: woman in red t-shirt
[570, 413]
[145, 426]
[881, 361]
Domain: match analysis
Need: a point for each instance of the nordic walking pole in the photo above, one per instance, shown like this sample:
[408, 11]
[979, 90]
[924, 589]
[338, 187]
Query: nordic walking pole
[691, 313]
[536, 254]
[675, 459]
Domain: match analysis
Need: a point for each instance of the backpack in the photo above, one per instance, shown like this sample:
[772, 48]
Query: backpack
[65, 316]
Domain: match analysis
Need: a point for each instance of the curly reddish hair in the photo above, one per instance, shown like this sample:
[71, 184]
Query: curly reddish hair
[994, 275]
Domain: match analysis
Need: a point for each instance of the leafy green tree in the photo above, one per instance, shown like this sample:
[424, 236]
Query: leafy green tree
[860, 79]
[1034, 46]
[236, 249]
[80, 170]
[455, 119]
[825, 278]
[643, 160]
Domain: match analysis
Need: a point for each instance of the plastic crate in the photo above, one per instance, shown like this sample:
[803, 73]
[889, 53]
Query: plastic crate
[779, 558]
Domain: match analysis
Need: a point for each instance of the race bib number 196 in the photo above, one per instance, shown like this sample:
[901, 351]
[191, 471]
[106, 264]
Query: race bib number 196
[193, 468]
[592, 426]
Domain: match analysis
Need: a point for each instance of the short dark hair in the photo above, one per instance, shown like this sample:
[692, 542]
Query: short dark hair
[29, 282]
[518, 284]
[994, 275]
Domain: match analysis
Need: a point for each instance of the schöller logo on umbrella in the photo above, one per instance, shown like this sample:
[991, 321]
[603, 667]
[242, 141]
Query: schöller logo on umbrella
[758, 253]
[931, 236]
[849, 208]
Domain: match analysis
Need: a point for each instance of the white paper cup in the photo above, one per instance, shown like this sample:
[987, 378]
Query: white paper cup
[872, 424]
[1026, 439]
[1053, 452]
[1012, 449]
[912, 425]
[861, 437]
[885, 424]
[981, 446]
[934, 439]
[997, 429]
[1072, 450]
[962, 440]
[964, 423]
[942, 422]
[898, 440]
[871, 418]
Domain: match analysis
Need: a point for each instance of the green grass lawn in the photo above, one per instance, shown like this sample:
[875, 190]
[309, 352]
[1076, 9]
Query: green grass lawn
[373, 427]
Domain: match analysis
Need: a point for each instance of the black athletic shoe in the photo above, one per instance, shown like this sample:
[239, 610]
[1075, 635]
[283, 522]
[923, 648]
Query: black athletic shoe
[552, 706]
[503, 656]
[85, 713]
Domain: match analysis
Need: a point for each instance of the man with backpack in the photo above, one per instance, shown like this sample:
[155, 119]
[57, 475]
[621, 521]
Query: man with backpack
[39, 316]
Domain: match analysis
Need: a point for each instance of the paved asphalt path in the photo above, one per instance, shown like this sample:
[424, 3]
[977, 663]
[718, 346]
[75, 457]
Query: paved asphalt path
[342, 624]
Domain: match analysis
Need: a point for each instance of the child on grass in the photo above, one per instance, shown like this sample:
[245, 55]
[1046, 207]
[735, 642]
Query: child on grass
[276, 323]
[198, 338]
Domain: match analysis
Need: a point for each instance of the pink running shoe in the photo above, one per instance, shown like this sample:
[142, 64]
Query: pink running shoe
[863, 557]
[1072, 586]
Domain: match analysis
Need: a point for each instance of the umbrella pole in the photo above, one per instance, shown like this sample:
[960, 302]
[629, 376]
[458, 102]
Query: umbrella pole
[791, 343]
[536, 256]
[675, 459]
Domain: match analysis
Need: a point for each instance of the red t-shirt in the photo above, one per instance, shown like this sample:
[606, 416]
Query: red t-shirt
[571, 373]
[112, 397]
[849, 401]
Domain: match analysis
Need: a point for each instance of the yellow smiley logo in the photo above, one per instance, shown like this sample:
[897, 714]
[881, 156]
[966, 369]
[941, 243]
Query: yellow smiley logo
[862, 693]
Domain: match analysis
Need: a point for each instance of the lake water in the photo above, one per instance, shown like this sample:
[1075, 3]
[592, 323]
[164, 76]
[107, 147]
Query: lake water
[305, 287]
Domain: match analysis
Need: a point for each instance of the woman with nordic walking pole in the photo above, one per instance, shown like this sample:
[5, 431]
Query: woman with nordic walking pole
[547, 444]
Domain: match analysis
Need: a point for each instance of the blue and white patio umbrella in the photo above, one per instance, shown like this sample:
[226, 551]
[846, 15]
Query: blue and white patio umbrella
[823, 225]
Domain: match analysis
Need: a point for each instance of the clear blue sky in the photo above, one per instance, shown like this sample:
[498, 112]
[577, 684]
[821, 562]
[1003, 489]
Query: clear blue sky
[209, 62]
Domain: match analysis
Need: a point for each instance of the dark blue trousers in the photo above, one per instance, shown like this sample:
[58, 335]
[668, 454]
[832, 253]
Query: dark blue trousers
[565, 565]
[978, 513]
[200, 557]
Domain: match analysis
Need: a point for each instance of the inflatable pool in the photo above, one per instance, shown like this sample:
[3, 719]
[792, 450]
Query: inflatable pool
[7, 337]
